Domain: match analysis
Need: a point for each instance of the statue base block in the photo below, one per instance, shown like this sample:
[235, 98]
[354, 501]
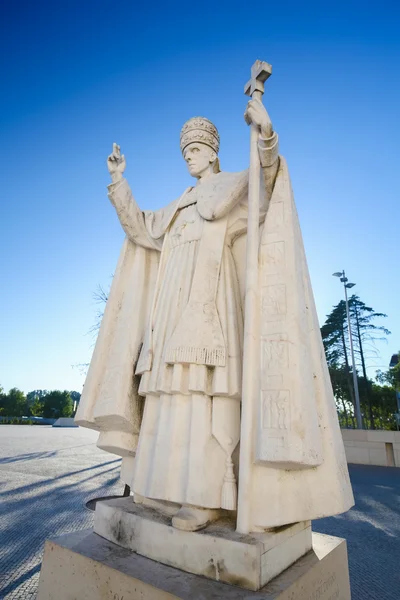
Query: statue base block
[86, 566]
[217, 552]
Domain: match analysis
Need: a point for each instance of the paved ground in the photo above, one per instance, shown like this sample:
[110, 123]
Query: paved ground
[47, 475]
[372, 530]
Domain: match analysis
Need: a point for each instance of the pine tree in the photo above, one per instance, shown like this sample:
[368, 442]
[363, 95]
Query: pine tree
[335, 336]
[365, 334]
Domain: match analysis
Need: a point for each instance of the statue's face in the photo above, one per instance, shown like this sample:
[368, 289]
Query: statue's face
[198, 158]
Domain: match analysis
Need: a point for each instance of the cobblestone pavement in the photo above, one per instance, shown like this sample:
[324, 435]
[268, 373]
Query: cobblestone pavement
[372, 531]
[47, 475]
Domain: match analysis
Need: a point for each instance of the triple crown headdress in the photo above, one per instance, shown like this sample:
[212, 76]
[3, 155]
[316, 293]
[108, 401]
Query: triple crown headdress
[199, 129]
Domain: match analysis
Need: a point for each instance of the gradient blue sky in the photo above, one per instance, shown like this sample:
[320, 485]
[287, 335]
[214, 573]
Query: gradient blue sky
[78, 76]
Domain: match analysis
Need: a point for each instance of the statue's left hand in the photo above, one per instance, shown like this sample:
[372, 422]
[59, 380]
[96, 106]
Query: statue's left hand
[256, 114]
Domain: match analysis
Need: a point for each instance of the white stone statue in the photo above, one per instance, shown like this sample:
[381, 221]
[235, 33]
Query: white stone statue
[164, 387]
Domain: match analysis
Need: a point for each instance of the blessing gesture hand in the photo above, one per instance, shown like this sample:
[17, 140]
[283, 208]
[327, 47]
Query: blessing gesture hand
[116, 163]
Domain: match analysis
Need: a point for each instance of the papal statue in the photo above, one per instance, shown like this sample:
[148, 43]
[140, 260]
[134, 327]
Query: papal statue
[165, 387]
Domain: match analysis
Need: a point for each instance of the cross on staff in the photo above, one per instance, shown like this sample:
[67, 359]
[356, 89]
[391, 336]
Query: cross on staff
[260, 72]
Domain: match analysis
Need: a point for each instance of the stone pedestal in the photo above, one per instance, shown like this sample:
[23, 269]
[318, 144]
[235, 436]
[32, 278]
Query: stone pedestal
[85, 566]
[217, 552]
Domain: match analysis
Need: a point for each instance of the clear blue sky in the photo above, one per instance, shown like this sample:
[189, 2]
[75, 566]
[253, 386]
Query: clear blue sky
[78, 76]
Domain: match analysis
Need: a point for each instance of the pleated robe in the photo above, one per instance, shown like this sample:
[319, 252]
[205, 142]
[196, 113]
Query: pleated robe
[178, 457]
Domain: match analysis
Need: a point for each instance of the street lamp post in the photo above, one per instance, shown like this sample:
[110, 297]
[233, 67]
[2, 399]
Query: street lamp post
[346, 286]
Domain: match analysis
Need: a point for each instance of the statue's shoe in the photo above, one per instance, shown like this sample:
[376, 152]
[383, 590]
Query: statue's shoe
[191, 518]
[169, 509]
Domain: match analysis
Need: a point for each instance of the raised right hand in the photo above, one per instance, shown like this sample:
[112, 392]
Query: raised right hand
[116, 163]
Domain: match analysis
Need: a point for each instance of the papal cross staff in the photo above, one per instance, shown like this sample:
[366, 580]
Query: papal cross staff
[260, 72]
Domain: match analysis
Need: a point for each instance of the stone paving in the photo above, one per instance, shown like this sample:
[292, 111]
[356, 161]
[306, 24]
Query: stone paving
[372, 531]
[47, 475]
